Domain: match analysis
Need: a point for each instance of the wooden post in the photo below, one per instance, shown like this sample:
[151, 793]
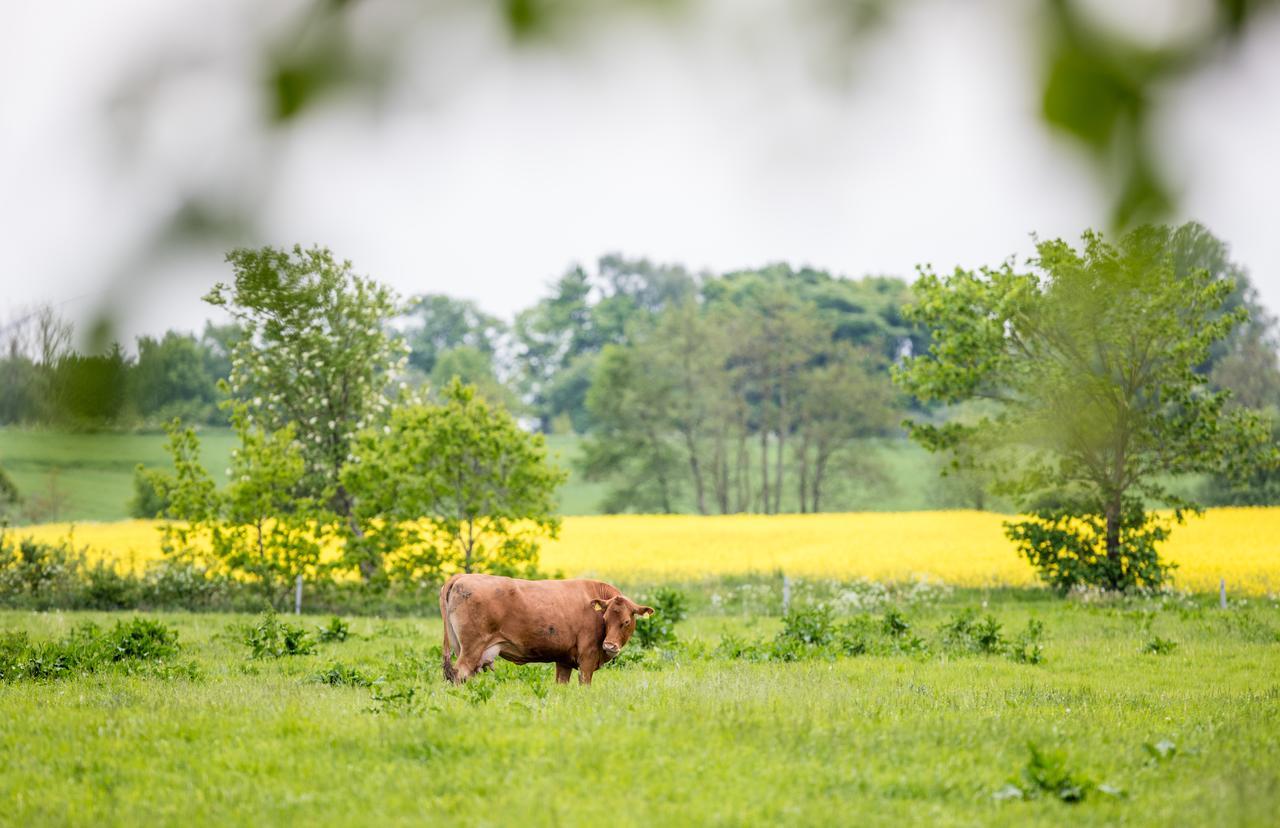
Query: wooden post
[297, 597]
[786, 594]
[1222, 593]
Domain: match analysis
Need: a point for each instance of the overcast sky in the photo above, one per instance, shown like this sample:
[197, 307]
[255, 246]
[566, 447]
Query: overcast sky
[735, 136]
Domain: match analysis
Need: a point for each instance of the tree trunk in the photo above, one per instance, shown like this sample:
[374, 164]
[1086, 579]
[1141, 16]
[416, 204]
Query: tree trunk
[1113, 543]
[802, 456]
[764, 469]
[695, 468]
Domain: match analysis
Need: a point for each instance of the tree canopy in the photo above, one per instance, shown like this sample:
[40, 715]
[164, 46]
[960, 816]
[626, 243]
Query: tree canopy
[1088, 360]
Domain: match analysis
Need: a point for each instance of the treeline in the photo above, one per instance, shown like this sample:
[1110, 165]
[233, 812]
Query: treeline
[44, 380]
[753, 390]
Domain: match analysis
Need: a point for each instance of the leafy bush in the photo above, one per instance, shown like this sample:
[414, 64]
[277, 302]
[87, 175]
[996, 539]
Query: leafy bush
[35, 573]
[87, 649]
[273, 638]
[1069, 549]
[335, 630]
[142, 639]
[1048, 773]
[895, 623]
[340, 675]
[1026, 648]
[657, 630]
[1159, 646]
[150, 499]
[966, 632]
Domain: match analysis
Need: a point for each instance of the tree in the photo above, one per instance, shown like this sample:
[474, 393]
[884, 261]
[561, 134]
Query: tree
[315, 355]
[172, 377]
[841, 401]
[456, 487]
[262, 527]
[629, 400]
[436, 324]
[473, 367]
[1089, 363]
[10, 499]
[89, 390]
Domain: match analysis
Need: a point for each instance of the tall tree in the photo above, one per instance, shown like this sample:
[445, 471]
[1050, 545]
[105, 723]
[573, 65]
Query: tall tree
[315, 354]
[1089, 361]
[456, 487]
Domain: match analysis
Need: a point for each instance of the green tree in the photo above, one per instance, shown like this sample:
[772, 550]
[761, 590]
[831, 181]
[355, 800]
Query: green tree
[315, 355]
[472, 366]
[436, 324]
[630, 445]
[171, 377]
[845, 399]
[262, 527]
[1089, 364]
[9, 498]
[455, 487]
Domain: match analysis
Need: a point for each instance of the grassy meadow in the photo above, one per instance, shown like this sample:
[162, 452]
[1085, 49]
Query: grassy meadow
[1185, 732]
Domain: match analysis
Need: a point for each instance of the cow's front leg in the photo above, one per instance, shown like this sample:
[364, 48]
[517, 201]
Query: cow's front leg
[586, 667]
[562, 672]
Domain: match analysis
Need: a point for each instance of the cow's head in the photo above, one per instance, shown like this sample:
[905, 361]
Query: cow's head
[619, 621]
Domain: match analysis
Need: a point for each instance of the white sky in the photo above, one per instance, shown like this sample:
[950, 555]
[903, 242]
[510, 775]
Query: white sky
[733, 137]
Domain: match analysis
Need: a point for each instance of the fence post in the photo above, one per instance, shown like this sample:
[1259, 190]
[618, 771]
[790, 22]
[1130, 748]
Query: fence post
[297, 596]
[1222, 593]
[786, 593]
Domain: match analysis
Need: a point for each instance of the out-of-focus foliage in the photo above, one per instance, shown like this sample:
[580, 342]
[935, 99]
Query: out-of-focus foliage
[1090, 364]
[9, 497]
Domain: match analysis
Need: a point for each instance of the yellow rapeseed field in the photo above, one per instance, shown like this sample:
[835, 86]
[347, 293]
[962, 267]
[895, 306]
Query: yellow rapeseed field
[960, 547]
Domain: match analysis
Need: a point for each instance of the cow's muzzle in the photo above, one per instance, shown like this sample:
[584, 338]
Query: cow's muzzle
[611, 648]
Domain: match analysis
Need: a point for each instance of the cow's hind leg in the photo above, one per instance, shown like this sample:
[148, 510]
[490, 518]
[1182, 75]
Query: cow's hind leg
[562, 672]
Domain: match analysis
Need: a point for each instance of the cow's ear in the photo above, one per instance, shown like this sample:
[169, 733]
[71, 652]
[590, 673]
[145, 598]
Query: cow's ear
[644, 610]
[598, 605]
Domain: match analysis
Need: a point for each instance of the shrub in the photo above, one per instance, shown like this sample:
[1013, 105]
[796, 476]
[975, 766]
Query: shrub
[335, 630]
[1159, 646]
[669, 608]
[87, 649]
[149, 500]
[38, 574]
[811, 627]
[107, 589]
[1069, 550]
[273, 638]
[1026, 648]
[143, 639]
[340, 675]
[965, 631]
[1048, 773]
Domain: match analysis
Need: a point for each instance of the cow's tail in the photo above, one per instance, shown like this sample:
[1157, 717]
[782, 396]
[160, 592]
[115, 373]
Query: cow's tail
[450, 675]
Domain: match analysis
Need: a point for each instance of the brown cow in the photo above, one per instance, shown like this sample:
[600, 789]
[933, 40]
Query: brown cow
[571, 624]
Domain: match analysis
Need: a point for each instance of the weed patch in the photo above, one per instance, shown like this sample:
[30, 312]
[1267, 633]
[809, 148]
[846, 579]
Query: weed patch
[89, 649]
[272, 638]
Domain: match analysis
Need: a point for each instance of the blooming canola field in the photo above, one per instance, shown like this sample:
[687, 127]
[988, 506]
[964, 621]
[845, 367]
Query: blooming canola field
[963, 548]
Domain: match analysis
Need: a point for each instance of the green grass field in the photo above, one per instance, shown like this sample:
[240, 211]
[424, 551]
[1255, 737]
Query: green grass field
[93, 472]
[689, 737]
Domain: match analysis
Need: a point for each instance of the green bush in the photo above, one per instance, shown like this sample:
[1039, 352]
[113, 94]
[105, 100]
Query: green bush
[273, 638]
[658, 630]
[335, 630]
[87, 649]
